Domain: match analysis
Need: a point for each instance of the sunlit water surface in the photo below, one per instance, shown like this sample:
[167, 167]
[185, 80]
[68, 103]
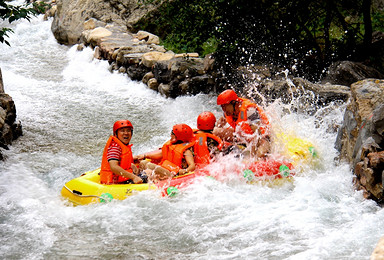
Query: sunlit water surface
[67, 103]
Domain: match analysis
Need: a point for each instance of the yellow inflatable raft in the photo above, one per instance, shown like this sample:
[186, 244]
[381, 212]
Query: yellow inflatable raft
[297, 149]
[87, 189]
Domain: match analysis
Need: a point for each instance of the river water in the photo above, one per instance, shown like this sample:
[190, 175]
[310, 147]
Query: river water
[67, 103]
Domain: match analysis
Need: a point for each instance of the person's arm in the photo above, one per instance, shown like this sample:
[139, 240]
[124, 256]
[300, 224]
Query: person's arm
[154, 155]
[226, 134]
[253, 118]
[118, 170]
[213, 146]
[221, 122]
[188, 155]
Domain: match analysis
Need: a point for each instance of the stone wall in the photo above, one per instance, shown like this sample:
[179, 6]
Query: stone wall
[140, 56]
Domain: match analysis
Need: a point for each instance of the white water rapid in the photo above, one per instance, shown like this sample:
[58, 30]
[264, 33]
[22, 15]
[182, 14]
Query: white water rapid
[67, 103]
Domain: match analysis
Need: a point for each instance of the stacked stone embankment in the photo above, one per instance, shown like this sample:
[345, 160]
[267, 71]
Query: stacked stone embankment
[141, 57]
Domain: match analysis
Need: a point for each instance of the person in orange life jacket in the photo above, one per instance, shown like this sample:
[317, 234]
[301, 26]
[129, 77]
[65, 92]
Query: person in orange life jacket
[116, 165]
[248, 122]
[207, 145]
[176, 155]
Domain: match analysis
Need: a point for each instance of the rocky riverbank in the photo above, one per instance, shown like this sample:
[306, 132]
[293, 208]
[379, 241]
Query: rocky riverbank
[361, 137]
[141, 57]
[10, 129]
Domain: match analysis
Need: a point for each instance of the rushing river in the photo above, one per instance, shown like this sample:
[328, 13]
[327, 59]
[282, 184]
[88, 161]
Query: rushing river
[67, 103]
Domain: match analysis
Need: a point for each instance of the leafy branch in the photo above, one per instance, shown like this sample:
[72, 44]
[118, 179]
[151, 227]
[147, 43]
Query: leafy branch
[11, 13]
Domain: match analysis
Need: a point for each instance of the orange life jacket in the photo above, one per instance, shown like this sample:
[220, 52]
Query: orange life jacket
[173, 155]
[201, 150]
[242, 117]
[106, 175]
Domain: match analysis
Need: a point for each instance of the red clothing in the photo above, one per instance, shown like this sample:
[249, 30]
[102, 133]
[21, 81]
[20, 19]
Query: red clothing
[114, 152]
[203, 146]
[125, 160]
[173, 155]
[242, 118]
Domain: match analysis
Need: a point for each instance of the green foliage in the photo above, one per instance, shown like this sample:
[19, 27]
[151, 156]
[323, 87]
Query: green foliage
[11, 13]
[378, 20]
[303, 36]
[183, 25]
[41, 7]
[210, 46]
[4, 33]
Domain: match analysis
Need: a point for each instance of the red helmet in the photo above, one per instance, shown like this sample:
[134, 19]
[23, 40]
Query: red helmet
[120, 124]
[206, 121]
[183, 132]
[226, 97]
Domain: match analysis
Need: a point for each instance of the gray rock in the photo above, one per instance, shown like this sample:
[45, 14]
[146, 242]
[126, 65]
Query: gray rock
[9, 128]
[69, 18]
[348, 72]
[361, 137]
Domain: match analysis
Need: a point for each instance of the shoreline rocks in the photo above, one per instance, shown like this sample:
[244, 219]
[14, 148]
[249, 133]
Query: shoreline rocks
[141, 58]
[70, 16]
[173, 75]
[10, 130]
[361, 138]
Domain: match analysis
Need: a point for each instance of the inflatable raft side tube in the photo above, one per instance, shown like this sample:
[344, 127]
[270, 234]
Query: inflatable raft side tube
[87, 189]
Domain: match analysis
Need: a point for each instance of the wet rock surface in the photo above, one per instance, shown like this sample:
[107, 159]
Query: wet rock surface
[10, 129]
[361, 138]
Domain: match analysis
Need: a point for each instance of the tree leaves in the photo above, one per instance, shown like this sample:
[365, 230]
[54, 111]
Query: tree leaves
[11, 13]
[4, 33]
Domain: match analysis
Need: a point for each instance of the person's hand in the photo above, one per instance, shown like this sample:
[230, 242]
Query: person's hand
[139, 157]
[221, 122]
[182, 171]
[137, 180]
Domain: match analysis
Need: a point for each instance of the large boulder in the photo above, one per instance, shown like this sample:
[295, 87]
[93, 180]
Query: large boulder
[361, 138]
[378, 253]
[307, 96]
[69, 18]
[181, 74]
[9, 128]
[348, 72]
